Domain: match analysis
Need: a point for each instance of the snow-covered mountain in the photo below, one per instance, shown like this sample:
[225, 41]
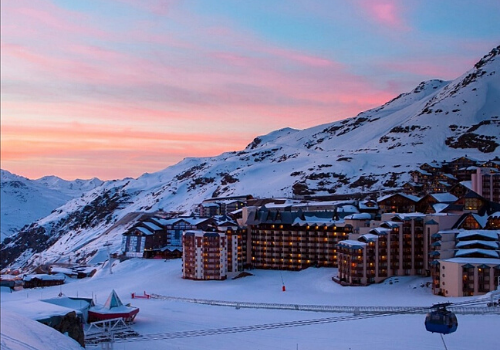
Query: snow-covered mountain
[373, 151]
[24, 201]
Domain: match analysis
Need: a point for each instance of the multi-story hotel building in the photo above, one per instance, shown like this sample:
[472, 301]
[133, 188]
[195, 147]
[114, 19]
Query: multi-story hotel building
[294, 240]
[486, 182]
[396, 246]
[473, 267]
[206, 254]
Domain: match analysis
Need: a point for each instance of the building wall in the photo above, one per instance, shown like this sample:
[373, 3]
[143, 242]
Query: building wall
[401, 248]
[289, 247]
[456, 280]
[204, 255]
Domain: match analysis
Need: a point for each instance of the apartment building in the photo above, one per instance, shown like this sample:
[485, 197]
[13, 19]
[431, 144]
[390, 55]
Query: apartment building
[210, 255]
[486, 182]
[470, 267]
[294, 240]
[204, 255]
[398, 245]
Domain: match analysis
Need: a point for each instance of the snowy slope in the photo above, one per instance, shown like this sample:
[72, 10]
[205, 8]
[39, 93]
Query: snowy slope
[370, 152]
[309, 287]
[24, 201]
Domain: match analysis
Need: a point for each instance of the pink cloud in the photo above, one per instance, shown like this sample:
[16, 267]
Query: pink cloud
[388, 13]
[83, 97]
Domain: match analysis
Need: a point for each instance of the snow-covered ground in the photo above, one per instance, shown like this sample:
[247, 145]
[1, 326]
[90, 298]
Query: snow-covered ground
[312, 286]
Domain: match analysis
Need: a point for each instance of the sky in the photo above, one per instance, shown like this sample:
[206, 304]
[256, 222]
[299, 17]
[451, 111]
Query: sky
[115, 89]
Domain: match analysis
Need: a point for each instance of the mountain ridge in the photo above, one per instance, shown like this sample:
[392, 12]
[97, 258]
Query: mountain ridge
[372, 151]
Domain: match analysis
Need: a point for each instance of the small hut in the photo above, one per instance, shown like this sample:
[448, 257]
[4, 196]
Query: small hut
[113, 308]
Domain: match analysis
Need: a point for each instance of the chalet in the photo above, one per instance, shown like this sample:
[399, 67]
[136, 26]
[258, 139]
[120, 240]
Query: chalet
[493, 221]
[160, 238]
[494, 163]
[13, 282]
[470, 202]
[471, 221]
[398, 203]
[460, 163]
[140, 241]
[413, 188]
[435, 202]
[432, 168]
[175, 227]
[369, 206]
[222, 205]
[43, 280]
[421, 176]
[459, 190]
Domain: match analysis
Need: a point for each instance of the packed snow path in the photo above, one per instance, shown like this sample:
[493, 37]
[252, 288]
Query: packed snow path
[458, 308]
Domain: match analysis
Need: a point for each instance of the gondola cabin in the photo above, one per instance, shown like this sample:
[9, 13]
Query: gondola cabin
[441, 320]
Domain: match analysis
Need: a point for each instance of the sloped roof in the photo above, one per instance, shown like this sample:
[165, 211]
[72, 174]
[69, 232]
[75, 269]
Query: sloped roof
[444, 197]
[439, 207]
[352, 244]
[358, 216]
[491, 244]
[465, 252]
[380, 230]
[44, 277]
[144, 231]
[408, 196]
[484, 233]
[369, 237]
[151, 226]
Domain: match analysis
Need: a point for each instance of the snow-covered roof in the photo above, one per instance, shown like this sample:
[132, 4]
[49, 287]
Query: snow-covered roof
[439, 207]
[144, 231]
[370, 237]
[491, 244]
[64, 270]
[151, 226]
[352, 244]
[380, 230]
[465, 260]
[311, 220]
[44, 277]
[449, 232]
[210, 205]
[347, 209]
[363, 205]
[408, 196]
[193, 221]
[358, 216]
[444, 197]
[465, 252]
[391, 224]
[408, 216]
[494, 234]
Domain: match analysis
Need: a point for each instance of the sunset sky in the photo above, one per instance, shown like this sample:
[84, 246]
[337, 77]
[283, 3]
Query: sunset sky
[112, 89]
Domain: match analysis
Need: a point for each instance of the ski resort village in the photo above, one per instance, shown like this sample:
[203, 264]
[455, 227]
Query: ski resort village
[445, 243]
[379, 231]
